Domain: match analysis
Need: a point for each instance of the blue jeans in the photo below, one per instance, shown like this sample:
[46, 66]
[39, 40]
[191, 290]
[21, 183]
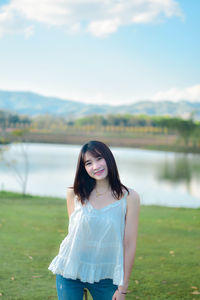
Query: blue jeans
[72, 289]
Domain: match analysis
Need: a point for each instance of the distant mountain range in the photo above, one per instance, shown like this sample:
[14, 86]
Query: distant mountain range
[34, 104]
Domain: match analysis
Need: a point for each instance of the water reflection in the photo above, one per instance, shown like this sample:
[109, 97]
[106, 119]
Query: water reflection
[184, 168]
[177, 171]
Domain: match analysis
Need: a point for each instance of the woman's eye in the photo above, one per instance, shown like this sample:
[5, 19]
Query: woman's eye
[87, 164]
[98, 158]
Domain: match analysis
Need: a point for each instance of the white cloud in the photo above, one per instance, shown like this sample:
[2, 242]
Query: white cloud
[104, 27]
[99, 17]
[8, 20]
[191, 93]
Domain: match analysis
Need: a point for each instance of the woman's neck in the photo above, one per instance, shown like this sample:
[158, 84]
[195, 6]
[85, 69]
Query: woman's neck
[102, 185]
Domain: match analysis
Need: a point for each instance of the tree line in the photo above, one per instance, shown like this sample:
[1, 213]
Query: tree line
[14, 120]
[186, 128]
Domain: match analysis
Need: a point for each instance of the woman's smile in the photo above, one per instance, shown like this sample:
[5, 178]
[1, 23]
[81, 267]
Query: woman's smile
[99, 172]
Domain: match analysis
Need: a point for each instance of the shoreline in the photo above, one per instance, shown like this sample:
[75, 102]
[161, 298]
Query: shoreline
[168, 143]
[11, 194]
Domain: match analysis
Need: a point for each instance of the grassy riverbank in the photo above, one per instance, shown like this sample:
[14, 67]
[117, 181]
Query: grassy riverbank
[142, 140]
[167, 262]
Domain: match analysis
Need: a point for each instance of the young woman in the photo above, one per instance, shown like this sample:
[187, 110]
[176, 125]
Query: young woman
[99, 250]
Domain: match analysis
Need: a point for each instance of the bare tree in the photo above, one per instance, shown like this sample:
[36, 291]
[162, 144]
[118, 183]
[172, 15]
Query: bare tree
[21, 155]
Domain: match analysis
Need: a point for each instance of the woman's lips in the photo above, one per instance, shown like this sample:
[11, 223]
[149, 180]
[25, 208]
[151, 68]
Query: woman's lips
[99, 172]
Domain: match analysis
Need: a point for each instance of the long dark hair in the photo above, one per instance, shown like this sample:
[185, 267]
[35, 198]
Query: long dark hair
[84, 184]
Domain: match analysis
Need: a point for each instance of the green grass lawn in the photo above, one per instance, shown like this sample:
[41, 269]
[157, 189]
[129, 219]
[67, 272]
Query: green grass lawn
[167, 263]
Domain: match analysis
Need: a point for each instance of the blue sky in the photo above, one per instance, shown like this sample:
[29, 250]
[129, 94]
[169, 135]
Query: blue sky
[102, 51]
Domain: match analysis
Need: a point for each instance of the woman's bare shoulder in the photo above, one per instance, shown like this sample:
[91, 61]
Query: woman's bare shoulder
[70, 193]
[133, 197]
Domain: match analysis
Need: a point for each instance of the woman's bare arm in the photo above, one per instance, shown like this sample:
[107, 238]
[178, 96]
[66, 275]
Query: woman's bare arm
[70, 201]
[130, 235]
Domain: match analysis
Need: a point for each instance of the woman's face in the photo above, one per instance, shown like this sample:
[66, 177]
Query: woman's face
[96, 167]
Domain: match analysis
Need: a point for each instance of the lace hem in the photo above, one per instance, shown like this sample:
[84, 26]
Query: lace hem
[87, 272]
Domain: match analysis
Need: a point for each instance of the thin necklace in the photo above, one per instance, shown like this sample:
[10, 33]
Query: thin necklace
[101, 194]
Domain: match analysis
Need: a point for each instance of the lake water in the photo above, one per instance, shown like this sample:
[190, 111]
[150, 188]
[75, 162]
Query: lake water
[161, 178]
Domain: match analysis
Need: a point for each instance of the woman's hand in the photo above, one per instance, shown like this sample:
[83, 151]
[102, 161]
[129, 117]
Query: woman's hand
[118, 296]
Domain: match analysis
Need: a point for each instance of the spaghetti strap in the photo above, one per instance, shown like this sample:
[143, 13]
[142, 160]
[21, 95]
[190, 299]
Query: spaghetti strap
[125, 202]
[76, 202]
[126, 194]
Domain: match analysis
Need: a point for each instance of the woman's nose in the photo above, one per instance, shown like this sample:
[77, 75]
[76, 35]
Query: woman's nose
[96, 165]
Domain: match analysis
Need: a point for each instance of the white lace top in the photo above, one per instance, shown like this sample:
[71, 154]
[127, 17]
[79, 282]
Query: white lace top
[93, 248]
